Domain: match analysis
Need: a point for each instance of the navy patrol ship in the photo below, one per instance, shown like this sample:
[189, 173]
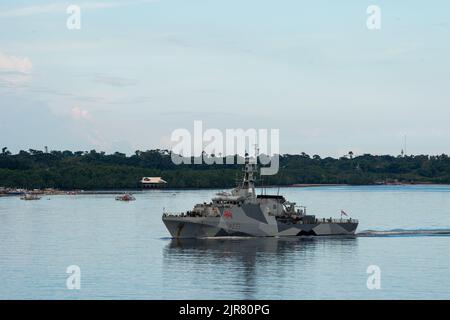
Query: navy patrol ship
[242, 213]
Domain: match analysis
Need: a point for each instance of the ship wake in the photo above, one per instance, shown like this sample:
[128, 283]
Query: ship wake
[404, 233]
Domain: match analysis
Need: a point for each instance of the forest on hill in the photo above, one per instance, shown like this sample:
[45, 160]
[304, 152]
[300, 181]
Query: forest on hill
[90, 170]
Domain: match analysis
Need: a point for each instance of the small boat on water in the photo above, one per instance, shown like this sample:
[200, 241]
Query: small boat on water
[29, 196]
[125, 197]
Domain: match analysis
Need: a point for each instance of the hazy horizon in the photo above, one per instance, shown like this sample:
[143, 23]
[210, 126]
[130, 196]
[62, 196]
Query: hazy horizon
[139, 69]
[128, 154]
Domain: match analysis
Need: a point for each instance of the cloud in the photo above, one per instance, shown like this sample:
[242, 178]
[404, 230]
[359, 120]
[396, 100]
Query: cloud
[78, 113]
[14, 70]
[14, 64]
[96, 139]
[58, 7]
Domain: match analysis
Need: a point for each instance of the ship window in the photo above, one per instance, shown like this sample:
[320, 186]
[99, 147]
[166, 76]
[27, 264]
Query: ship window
[274, 207]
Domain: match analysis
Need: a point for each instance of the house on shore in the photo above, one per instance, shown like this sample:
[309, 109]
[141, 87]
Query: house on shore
[153, 182]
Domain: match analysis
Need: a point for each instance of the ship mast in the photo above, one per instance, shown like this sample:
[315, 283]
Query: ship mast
[250, 170]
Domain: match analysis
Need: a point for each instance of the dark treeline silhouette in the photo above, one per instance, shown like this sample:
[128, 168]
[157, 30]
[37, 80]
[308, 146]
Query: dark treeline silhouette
[97, 170]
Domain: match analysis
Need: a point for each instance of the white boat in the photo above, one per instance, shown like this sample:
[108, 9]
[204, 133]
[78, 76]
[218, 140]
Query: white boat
[30, 196]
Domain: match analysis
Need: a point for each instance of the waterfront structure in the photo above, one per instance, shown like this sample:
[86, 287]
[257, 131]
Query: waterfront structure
[153, 182]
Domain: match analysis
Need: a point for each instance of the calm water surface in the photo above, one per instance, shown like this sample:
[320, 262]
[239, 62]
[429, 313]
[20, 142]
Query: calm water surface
[125, 252]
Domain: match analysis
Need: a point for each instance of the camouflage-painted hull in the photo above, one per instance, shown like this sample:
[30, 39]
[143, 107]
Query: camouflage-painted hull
[250, 221]
[243, 213]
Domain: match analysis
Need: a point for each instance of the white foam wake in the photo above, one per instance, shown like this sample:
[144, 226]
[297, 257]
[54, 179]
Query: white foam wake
[404, 233]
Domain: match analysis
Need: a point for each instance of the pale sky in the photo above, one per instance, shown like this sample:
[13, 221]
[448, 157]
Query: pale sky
[139, 69]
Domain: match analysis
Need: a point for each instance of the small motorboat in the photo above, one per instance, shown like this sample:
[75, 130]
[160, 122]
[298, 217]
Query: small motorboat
[29, 196]
[125, 197]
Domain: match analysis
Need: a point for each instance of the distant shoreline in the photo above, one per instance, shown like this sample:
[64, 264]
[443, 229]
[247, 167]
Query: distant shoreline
[304, 185]
[140, 190]
[93, 170]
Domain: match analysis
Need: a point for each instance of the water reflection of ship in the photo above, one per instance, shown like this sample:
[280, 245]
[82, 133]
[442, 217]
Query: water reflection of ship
[245, 256]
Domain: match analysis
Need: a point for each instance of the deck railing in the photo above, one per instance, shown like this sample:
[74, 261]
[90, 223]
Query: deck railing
[317, 220]
[174, 214]
[331, 220]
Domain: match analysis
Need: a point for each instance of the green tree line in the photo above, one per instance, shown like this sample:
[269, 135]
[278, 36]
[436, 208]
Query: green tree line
[90, 170]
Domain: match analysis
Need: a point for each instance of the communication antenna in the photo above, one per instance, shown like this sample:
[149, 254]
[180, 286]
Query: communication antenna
[404, 146]
[256, 166]
[256, 152]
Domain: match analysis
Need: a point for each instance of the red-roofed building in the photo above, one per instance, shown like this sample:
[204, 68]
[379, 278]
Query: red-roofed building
[153, 182]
